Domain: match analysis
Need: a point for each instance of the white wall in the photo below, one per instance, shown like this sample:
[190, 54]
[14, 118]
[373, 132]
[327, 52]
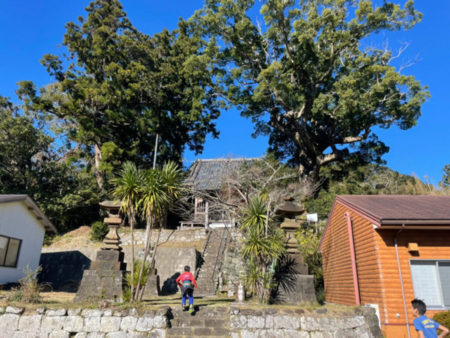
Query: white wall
[18, 222]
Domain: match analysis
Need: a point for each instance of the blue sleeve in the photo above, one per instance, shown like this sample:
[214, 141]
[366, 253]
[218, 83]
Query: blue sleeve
[418, 325]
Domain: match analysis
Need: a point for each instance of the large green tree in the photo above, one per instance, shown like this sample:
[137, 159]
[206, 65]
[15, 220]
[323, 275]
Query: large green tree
[119, 88]
[29, 164]
[300, 70]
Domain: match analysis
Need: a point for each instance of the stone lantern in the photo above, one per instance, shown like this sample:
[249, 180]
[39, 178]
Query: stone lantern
[298, 286]
[112, 239]
[104, 279]
[291, 213]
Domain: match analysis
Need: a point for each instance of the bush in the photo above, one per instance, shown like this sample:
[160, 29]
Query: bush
[98, 231]
[309, 240]
[29, 289]
[134, 279]
[443, 318]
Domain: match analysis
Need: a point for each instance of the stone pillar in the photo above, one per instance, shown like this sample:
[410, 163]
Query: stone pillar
[296, 285]
[104, 279]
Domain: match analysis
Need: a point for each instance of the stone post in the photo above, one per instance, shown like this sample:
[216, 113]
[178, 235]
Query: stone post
[104, 279]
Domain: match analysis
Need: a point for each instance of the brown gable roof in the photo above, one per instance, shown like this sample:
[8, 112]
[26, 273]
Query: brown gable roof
[32, 207]
[393, 211]
[401, 209]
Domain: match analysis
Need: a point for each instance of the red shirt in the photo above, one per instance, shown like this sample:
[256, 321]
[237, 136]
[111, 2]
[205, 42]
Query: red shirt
[186, 276]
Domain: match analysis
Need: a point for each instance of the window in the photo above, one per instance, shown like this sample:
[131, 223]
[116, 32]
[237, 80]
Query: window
[431, 281]
[9, 251]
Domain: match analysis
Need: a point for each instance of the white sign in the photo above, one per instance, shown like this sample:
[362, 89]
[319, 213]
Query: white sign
[312, 217]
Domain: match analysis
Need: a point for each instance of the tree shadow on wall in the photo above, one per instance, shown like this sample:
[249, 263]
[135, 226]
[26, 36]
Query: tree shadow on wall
[284, 278]
[63, 270]
[170, 286]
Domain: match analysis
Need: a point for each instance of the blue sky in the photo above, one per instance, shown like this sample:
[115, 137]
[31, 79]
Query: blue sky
[31, 28]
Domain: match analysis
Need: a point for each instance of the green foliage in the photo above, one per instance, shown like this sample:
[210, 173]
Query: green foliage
[308, 239]
[150, 193]
[263, 244]
[29, 289]
[443, 318]
[302, 71]
[98, 231]
[29, 164]
[120, 88]
[342, 179]
[445, 182]
[133, 278]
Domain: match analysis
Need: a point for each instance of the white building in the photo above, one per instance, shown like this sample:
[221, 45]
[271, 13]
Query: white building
[22, 229]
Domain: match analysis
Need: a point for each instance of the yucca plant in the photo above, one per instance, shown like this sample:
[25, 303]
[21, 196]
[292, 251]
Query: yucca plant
[159, 190]
[263, 244]
[127, 188]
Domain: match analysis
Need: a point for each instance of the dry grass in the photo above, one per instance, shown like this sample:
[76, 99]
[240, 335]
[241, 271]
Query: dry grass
[197, 244]
[73, 239]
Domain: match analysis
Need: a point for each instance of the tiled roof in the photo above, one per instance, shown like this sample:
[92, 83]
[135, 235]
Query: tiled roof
[401, 208]
[210, 174]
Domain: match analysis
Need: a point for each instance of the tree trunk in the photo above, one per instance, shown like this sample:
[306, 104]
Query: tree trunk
[152, 264]
[97, 158]
[131, 219]
[146, 250]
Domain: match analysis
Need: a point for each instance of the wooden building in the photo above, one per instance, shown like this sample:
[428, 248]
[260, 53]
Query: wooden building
[206, 179]
[385, 250]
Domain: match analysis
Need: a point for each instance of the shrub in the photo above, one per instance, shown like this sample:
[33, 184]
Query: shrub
[98, 231]
[134, 279]
[309, 240]
[443, 318]
[29, 289]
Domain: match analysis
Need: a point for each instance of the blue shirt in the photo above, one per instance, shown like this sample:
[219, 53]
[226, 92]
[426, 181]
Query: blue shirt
[427, 326]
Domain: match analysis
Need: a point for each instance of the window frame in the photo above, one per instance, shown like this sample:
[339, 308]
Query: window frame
[439, 281]
[9, 238]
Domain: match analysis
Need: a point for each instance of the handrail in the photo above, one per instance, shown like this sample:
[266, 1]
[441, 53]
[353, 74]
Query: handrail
[220, 252]
[203, 252]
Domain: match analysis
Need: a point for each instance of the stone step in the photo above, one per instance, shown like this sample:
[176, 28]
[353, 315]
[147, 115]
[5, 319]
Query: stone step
[198, 332]
[194, 321]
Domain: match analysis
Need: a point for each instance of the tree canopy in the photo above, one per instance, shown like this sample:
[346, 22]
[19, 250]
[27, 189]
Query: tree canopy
[118, 88]
[29, 164]
[300, 71]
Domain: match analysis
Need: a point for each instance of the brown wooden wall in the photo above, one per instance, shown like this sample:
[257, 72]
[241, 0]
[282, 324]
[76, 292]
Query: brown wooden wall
[433, 244]
[337, 267]
[378, 274]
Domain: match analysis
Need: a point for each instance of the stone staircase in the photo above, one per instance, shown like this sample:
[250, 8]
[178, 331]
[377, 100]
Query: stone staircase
[208, 276]
[211, 321]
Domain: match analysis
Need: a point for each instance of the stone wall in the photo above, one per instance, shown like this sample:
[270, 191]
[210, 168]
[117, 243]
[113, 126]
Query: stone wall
[62, 323]
[275, 322]
[239, 322]
[187, 235]
[233, 267]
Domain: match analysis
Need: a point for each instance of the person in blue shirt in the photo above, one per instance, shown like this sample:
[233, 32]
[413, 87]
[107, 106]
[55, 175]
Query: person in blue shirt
[425, 327]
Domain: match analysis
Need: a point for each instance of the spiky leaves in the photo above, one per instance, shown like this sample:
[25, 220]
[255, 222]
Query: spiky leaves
[263, 244]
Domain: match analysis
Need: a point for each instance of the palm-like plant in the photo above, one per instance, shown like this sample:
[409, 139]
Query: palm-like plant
[127, 189]
[171, 175]
[262, 245]
[159, 190]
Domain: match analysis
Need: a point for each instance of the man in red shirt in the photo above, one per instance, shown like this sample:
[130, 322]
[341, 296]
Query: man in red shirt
[187, 282]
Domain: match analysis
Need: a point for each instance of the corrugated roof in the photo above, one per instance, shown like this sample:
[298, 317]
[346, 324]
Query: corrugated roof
[210, 174]
[32, 207]
[401, 208]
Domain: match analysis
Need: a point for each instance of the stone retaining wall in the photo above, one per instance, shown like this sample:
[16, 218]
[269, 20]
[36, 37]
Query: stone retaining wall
[79, 323]
[274, 322]
[188, 235]
[239, 322]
